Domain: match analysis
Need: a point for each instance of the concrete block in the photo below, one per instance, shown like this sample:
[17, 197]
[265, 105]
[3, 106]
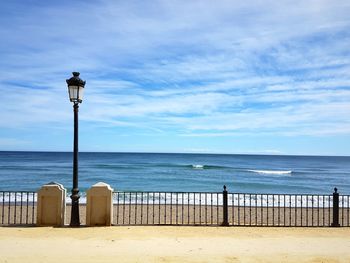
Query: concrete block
[51, 205]
[99, 205]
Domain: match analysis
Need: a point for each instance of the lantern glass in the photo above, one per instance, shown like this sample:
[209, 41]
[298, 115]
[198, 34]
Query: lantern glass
[75, 93]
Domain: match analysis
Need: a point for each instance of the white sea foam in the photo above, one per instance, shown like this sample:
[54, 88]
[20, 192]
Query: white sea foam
[271, 172]
[234, 199]
[205, 199]
[197, 166]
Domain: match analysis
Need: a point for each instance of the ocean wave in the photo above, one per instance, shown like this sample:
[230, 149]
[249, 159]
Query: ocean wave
[116, 166]
[201, 166]
[191, 166]
[274, 172]
[197, 166]
[138, 166]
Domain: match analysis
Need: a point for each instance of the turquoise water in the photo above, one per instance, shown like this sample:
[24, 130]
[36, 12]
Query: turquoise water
[178, 172]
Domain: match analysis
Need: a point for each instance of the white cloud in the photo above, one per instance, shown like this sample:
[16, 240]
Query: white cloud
[199, 68]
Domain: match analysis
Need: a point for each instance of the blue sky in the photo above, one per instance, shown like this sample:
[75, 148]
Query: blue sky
[265, 77]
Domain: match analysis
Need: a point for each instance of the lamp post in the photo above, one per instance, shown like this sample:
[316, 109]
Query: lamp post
[75, 90]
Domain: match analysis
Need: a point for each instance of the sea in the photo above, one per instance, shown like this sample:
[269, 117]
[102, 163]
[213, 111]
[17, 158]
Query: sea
[170, 172]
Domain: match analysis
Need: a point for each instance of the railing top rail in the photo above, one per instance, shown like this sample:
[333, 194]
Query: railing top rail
[289, 194]
[234, 193]
[164, 192]
[196, 192]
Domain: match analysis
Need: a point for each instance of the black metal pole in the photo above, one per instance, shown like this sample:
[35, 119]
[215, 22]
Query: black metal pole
[225, 207]
[335, 208]
[74, 220]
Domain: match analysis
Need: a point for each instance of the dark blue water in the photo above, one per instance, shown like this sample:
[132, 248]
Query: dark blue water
[178, 172]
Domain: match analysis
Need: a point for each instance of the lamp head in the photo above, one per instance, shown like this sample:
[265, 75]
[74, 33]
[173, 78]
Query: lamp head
[76, 88]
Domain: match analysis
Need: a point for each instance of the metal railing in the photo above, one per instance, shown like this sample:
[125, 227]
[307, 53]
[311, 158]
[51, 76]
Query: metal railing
[200, 208]
[167, 208]
[297, 210]
[344, 209]
[280, 209]
[18, 207]
[231, 209]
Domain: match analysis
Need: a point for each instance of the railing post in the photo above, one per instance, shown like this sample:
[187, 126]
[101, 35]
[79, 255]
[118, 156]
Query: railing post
[225, 208]
[335, 208]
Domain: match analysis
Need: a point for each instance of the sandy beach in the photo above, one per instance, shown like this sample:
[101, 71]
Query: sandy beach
[174, 244]
[193, 215]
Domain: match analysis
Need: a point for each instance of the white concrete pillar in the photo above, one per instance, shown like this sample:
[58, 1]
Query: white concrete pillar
[51, 205]
[99, 205]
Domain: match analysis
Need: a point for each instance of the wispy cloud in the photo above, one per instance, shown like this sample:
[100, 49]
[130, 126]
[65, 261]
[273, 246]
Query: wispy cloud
[184, 68]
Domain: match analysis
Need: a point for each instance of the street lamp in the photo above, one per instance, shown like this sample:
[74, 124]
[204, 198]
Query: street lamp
[75, 91]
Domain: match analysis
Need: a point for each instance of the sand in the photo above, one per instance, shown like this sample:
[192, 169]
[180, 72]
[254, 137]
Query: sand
[174, 244]
[193, 215]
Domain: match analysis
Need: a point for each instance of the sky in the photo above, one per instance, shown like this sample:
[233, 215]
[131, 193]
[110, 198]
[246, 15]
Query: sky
[240, 77]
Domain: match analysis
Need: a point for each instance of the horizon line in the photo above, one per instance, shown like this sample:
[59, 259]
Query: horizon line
[203, 153]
